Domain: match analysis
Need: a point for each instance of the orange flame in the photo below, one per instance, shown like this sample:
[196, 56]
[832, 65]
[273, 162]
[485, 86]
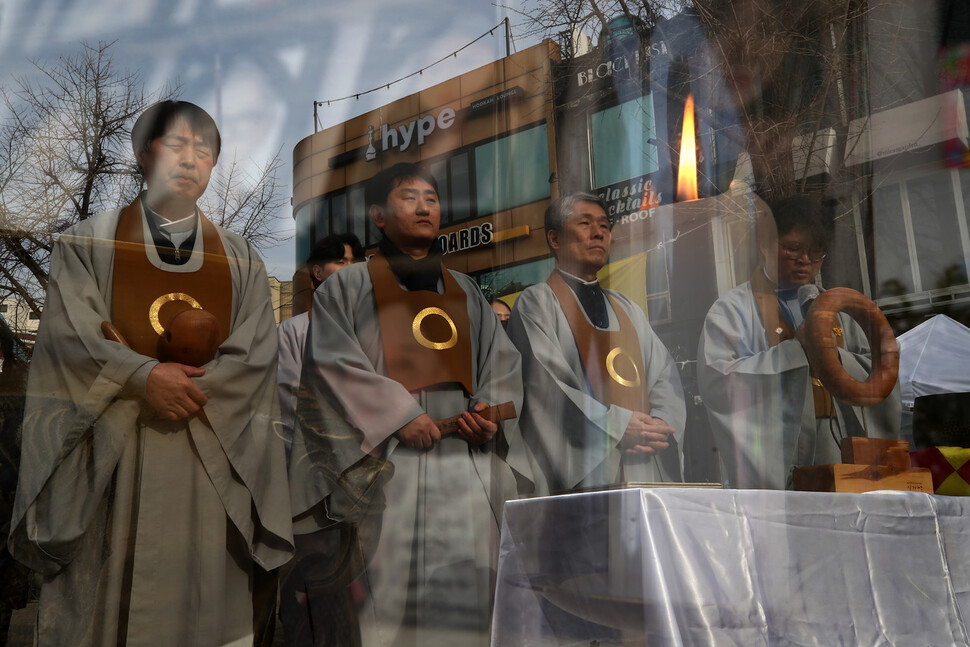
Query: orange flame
[687, 169]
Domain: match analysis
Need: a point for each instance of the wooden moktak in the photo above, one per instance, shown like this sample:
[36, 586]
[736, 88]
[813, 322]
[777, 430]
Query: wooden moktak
[191, 337]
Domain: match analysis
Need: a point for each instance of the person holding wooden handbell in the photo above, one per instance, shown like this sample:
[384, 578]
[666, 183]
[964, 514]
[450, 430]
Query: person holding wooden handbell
[396, 347]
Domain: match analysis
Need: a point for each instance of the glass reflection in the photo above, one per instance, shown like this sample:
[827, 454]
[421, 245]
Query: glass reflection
[857, 108]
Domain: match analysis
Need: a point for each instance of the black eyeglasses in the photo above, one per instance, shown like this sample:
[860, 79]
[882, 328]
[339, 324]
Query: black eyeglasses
[796, 251]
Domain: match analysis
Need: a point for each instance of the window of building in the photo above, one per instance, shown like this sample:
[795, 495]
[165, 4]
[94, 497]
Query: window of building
[454, 188]
[321, 220]
[338, 213]
[304, 233]
[512, 280]
[512, 171]
[439, 169]
[358, 220]
[341, 212]
[622, 136]
[331, 215]
[921, 234]
[460, 188]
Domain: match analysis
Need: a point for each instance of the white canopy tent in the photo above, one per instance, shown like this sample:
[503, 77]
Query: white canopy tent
[933, 358]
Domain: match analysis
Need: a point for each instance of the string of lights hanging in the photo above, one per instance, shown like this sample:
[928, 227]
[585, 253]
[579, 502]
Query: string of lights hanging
[387, 86]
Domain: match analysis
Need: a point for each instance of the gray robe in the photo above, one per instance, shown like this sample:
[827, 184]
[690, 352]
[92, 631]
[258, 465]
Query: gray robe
[574, 437]
[759, 399]
[121, 510]
[436, 555]
[291, 336]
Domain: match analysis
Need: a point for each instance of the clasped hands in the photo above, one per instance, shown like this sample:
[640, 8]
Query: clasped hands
[646, 435]
[171, 391]
[423, 433]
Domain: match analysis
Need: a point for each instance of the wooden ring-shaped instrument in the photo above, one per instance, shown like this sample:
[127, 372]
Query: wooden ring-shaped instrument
[820, 342]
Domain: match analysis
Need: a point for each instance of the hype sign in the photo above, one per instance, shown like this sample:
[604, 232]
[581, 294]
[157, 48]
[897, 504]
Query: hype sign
[418, 129]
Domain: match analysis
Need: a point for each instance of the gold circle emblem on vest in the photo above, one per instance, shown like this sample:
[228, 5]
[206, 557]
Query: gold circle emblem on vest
[156, 307]
[611, 368]
[423, 340]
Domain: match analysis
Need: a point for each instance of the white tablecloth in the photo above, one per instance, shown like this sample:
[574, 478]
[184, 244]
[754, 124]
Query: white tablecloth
[732, 567]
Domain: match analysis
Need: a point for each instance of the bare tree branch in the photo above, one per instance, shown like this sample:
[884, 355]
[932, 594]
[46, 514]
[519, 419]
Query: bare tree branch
[65, 156]
[247, 204]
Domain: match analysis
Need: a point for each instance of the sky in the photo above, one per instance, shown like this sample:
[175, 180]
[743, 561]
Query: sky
[258, 65]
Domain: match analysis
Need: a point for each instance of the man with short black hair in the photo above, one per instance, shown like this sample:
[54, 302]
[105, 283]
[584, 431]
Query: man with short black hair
[768, 413]
[327, 256]
[332, 253]
[501, 310]
[307, 610]
[604, 403]
[152, 492]
[398, 345]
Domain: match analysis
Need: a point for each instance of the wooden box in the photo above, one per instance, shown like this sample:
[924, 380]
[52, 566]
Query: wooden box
[861, 478]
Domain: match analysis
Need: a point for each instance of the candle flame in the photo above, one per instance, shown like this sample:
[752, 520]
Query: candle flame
[687, 169]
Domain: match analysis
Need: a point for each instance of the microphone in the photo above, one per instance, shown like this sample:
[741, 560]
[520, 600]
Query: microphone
[806, 297]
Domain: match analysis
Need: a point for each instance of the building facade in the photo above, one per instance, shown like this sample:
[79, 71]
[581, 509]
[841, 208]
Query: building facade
[489, 138]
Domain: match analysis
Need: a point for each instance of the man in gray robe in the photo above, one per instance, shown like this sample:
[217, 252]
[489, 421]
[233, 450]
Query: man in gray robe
[767, 412]
[306, 611]
[603, 401]
[153, 492]
[327, 256]
[396, 345]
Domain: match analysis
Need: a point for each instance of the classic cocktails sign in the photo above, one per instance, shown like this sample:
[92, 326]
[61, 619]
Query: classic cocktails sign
[624, 200]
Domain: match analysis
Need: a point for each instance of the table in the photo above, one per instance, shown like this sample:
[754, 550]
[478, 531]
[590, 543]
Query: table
[734, 567]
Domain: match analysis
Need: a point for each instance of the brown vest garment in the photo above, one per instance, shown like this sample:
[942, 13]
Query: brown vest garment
[426, 335]
[146, 298]
[778, 330]
[611, 358]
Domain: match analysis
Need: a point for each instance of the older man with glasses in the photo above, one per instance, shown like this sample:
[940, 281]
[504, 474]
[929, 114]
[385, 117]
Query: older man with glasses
[768, 412]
